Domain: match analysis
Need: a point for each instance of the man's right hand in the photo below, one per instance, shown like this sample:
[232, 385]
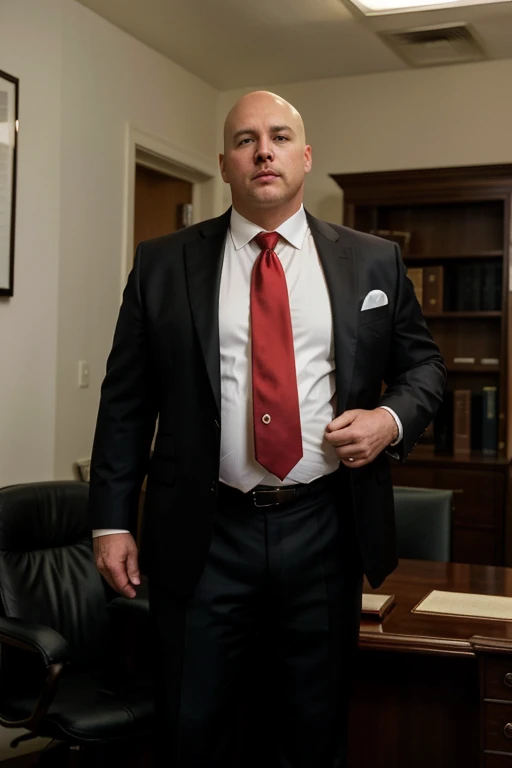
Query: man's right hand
[117, 560]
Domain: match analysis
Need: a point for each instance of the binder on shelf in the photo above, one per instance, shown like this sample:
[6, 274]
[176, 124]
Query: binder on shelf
[443, 425]
[490, 420]
[467, 287]
[462, 421]
[433, 289]
[490, 296]
[415, 274]
[476, 420]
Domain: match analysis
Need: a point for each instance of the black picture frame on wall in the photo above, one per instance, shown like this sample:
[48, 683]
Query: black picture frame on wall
[9, 96]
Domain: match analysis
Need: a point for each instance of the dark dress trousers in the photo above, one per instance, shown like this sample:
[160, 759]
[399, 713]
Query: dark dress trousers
[224, 574]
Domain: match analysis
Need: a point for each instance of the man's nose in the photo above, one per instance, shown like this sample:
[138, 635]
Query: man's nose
[264, 152]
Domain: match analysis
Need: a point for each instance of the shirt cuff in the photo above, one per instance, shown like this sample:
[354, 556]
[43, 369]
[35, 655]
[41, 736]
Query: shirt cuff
[397, 422]
[107, 531]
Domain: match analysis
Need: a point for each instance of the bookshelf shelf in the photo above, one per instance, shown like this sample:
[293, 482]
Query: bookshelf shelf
[427, 257]
[453, 226]
[426, 454]
[474, 368]
[454, 315]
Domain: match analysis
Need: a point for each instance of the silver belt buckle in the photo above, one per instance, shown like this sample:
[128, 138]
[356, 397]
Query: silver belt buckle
[254, 497]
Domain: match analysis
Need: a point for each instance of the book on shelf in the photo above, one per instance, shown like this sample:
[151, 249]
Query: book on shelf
[376, 606]
[489, 361]
[415, 274]
[490, 420]
[467, 287]
[490, 289]
[443, 425]
[462, 421]
[476, 287]
[484, 421]
[433, 289]
[464, 360]
[398, 236]
[476, 420]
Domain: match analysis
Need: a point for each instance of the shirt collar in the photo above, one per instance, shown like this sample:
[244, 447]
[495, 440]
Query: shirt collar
[293, 229]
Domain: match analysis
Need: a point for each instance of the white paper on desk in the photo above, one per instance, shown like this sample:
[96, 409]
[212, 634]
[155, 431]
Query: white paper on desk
[461, 604]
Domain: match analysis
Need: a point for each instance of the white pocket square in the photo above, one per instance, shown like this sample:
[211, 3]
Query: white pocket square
[374, 299]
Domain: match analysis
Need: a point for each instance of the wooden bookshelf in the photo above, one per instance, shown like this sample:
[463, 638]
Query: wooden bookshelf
[454, 315]
[454, 229]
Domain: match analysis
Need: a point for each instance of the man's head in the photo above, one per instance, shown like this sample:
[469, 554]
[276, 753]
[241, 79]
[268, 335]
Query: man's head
[266, 157]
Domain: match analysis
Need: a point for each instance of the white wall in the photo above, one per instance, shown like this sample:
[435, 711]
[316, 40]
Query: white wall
[30, 49]
[457, 115]
[81, 81]
[109, 79]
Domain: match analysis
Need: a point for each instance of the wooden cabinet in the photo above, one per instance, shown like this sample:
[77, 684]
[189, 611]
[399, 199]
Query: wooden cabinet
[496, 704]
[454, 229]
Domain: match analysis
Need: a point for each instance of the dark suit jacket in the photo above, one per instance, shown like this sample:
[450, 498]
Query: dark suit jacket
[165, 361]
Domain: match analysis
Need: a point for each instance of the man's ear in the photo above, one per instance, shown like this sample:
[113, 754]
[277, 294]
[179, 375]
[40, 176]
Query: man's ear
[308, 160]
[222, 166]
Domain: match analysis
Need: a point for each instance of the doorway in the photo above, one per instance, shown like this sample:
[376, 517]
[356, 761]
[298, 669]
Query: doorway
[161, 204]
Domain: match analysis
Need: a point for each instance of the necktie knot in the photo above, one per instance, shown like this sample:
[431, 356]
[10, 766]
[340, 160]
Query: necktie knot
[267, 240]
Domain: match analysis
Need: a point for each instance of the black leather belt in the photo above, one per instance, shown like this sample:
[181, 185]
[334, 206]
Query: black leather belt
[273, 496]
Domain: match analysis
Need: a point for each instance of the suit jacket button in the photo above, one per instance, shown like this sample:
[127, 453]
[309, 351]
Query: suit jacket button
[217, 424]
[213, 486]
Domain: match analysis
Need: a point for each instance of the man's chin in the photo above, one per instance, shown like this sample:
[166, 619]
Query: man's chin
[268, 197]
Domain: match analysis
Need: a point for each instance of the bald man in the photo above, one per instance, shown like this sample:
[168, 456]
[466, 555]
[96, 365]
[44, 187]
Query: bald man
[260, 340]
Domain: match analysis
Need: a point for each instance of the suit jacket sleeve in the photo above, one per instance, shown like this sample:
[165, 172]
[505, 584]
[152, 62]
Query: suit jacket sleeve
[126, 417]
[416, 373]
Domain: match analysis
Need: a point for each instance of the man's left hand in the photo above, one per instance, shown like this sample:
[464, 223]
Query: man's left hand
[359, 436]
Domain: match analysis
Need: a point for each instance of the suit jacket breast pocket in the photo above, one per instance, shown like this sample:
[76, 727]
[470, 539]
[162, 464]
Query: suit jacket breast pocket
[373, 340]
[372, 315]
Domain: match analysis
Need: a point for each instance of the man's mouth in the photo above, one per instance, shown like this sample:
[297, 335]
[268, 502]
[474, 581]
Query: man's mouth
[265, 175]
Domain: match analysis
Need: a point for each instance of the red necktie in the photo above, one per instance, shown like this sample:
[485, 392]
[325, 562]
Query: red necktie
[277, 432]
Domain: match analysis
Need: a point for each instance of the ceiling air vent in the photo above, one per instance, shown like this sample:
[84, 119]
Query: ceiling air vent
[440, 44]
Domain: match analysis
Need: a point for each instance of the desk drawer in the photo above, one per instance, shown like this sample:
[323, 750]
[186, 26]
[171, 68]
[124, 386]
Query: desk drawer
[498, 727]
[498, 679]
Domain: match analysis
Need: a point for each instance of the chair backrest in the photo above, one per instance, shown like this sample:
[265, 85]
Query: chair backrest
[47, 571]
[423, 523]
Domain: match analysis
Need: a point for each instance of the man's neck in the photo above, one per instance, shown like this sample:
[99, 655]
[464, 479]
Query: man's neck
[268, 220]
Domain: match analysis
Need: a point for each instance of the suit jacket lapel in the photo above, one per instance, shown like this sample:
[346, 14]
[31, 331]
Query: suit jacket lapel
[341, 276]
[203, 264]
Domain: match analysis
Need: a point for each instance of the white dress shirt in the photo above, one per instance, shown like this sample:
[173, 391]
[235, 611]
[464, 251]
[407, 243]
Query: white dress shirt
[314, 354]
[313, 343]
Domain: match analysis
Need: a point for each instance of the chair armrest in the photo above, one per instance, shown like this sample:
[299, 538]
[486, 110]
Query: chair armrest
[54, 651]
[36, 638]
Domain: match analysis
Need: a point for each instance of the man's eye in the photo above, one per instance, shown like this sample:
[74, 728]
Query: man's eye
[282, 138]
[244, 141]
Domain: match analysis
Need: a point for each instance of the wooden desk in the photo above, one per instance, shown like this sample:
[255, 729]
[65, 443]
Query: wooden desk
[434, 691]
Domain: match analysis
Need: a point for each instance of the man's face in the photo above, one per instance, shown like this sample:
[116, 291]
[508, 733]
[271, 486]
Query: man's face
[265, 154]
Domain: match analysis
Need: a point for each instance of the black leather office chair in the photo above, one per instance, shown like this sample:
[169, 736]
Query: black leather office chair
[423, 523]
[65, 672]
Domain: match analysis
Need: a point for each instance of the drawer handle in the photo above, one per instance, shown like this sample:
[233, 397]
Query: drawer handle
[507, 731]
[508, 679]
